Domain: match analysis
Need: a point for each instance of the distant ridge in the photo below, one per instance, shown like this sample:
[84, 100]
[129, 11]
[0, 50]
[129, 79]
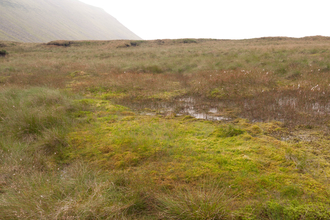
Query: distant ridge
[47, 20]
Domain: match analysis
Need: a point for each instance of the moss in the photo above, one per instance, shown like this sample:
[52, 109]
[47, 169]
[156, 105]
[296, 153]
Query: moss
[254, 130]
[187, 150]
[128, 118]
[228, 131]
[277, 210]
[218, 93]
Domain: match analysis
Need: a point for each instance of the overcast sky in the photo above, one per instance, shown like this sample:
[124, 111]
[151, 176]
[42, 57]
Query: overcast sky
[220, 19]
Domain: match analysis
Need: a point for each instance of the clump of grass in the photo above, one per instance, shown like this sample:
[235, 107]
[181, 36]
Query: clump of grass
[33, 183]
[62, 43]
[3, 53]
[33, 124]
[203, 202]
[28, 114]
[76, 191]
[154, 69]
[136, 43]
[187, 41]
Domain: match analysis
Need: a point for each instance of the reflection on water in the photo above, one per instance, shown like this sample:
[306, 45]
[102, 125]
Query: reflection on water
[210, 115]
[183, 106]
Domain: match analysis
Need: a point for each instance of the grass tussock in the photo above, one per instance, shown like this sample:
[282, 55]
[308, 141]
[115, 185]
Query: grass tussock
[203, 202]
[27, 114]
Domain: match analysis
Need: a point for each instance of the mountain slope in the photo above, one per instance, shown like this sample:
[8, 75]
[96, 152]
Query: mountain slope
[46, 20]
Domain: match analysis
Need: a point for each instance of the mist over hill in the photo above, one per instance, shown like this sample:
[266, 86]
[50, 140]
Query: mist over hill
[47, 20]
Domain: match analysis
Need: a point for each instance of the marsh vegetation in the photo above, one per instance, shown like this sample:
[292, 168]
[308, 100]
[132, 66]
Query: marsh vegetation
[165, 129]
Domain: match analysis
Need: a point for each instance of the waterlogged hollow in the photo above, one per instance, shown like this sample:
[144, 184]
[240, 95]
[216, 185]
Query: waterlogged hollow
[293, 107]
[193, 106]
[287, 106]
[198, 109]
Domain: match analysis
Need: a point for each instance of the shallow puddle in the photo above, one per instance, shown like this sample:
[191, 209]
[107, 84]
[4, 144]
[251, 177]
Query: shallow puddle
[183, 106]
[265, 107]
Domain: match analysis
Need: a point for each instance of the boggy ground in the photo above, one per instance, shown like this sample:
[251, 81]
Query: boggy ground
[165, 129]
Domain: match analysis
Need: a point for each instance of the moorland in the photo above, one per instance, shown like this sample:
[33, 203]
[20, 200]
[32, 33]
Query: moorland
[165, 129]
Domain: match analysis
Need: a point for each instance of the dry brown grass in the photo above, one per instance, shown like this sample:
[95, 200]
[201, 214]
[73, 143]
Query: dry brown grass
[266, 79]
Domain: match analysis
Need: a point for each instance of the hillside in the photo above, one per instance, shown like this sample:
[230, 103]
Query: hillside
[47, 20]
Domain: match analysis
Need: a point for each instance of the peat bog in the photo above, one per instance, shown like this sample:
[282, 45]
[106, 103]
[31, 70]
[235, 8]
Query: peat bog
[165, 129]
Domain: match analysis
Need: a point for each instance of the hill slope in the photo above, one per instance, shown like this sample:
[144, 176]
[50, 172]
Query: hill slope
[46, 20]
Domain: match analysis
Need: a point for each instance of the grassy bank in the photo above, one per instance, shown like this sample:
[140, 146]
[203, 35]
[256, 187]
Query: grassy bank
[109, 130]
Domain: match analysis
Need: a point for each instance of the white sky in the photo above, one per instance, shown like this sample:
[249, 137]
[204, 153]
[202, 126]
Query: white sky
[220, 19]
